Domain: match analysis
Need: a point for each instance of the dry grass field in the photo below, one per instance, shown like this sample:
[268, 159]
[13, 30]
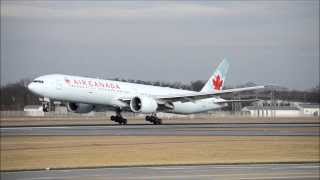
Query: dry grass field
[89, 151]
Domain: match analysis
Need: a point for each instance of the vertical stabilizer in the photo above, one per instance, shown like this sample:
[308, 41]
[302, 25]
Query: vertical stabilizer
[217, 80]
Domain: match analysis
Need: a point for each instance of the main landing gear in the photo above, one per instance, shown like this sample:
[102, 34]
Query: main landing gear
[118, 117]
[154, 119]
[123, 121]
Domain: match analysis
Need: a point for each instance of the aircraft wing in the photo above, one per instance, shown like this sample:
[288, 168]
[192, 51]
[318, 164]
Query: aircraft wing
[198, 95]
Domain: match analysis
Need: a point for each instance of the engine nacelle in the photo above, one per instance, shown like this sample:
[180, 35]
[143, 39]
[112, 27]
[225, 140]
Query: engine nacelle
[80, 107]
[143, 104]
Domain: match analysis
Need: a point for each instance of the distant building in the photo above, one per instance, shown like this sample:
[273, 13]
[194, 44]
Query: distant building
[280, 108]
[309, 109]
[268, 111]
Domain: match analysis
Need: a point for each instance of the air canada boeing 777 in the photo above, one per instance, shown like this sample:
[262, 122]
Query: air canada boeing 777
[83, 95]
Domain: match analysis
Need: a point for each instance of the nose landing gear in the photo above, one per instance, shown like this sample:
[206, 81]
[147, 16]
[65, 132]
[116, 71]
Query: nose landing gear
[46, 104]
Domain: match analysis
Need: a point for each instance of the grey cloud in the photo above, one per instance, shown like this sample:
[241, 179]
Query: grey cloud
[266, 42]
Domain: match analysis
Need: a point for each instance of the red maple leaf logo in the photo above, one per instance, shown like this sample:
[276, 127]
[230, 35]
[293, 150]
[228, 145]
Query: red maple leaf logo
[217, 82]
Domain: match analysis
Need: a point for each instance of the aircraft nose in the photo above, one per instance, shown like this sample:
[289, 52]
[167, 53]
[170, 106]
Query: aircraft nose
[31, 87]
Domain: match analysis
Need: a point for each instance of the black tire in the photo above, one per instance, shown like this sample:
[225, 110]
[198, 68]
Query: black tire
[124, 121]
[148, 118]
[155, 121]
[112, 118]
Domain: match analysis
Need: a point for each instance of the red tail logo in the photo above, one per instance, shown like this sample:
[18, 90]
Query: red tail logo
[217, 82]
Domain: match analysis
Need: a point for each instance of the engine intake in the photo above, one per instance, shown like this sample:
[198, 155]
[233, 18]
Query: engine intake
[80, 107]
[143, 104]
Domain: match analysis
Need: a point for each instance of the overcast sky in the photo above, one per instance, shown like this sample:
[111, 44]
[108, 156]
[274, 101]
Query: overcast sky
[272, 42]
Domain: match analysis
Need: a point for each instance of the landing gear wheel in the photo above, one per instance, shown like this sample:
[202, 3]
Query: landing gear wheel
[118, 117]
[157, 121]
[123, 121]
[154, 119]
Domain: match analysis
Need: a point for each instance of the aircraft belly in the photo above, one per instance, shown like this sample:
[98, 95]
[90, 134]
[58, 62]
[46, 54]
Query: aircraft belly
[83, 95]
[193, 107]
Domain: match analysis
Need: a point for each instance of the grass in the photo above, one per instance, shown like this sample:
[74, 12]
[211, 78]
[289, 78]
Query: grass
[35, 152]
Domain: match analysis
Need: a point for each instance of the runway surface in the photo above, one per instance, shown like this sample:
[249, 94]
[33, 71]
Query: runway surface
[250, 129]
[308, 171]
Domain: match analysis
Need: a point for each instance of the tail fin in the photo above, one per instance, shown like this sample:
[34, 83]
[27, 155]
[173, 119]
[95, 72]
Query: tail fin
[217, 80]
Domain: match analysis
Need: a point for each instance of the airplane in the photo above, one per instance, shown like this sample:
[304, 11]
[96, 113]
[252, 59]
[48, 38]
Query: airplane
[83, 95]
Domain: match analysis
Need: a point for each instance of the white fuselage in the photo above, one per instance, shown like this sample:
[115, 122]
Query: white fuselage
[106, 92]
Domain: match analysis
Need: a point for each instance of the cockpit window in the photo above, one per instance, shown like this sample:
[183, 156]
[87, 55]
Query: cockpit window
[37, 81]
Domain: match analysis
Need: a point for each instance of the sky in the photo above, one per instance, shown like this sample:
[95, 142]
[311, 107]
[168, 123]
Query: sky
[266, 42]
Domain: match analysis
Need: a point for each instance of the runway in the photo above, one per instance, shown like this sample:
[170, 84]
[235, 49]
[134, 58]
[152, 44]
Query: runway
[214, 129]
[309, 171]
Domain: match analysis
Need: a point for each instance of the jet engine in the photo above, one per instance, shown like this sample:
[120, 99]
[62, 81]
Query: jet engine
[143, 104]
[80, 107]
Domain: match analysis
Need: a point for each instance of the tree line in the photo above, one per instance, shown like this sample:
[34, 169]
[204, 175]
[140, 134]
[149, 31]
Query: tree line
[15, 96]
